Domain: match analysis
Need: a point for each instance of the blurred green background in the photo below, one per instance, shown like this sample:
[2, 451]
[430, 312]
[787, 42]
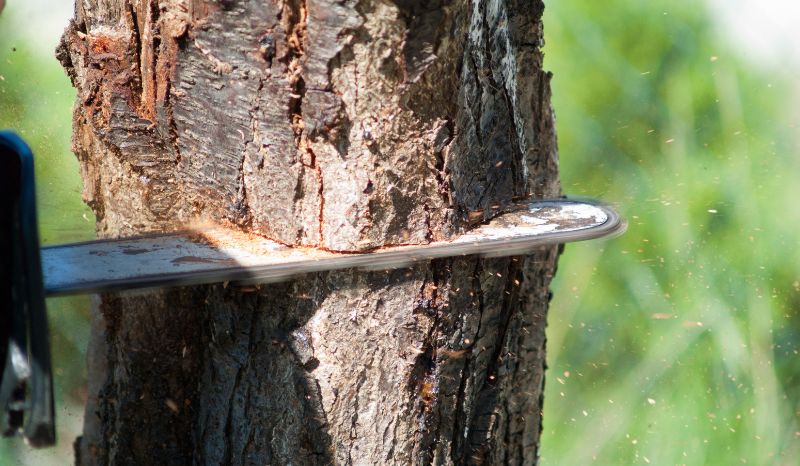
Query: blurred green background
[678, 342]
[674, 344]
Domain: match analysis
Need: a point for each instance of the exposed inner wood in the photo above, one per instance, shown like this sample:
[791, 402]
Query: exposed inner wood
[339, 125]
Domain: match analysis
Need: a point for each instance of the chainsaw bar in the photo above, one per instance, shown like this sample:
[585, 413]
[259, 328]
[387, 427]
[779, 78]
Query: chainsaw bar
[219, 254]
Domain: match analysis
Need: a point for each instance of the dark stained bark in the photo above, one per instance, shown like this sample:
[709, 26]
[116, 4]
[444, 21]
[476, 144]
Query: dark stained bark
[344, 125]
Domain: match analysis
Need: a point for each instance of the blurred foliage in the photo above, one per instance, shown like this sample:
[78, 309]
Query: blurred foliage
[676, 343]
[35, 101]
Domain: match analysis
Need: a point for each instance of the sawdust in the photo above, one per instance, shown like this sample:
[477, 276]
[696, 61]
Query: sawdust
[227, 236]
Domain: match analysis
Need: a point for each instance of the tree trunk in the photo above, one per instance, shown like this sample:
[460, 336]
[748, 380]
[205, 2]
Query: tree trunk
[337, 124]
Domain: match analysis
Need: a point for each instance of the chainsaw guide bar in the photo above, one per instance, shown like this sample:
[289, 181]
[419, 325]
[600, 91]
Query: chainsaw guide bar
[219, 254]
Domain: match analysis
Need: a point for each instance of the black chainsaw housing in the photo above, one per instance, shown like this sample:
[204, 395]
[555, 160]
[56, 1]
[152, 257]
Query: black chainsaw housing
[26, 384]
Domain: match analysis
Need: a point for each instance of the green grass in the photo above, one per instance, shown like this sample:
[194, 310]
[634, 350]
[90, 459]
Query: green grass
[678, 342]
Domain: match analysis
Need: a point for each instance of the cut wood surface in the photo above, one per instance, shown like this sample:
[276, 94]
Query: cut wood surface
[338, 125]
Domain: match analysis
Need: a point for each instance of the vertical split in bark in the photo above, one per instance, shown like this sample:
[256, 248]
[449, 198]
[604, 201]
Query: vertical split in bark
[344, 125]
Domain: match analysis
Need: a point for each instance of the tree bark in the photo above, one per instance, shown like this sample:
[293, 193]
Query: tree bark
[336, 124]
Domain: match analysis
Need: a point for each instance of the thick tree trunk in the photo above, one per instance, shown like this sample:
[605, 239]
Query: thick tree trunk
[338, 124]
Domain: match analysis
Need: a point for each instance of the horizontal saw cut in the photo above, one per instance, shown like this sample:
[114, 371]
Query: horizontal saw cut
[220, 254]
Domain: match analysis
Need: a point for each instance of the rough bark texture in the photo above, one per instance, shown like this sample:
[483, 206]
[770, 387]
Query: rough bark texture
[337, 124]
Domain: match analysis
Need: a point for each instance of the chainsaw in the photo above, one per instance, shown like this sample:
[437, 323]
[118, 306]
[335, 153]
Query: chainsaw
[201, 255]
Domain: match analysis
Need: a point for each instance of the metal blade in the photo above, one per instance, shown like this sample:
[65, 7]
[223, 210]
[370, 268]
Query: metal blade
[220, 254]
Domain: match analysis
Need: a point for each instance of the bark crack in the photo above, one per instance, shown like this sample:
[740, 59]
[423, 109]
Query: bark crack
[362, 377]
[484, 418]
[517, 157]
[137, 57]
[241, 207]
[459, 446]
[320, 192]
[509, 299]
[294, 17]
[429, 228]
[442, 140]
[173, 126]
[477, 108]
[229, 417]
[423, 384]
[170, 32]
